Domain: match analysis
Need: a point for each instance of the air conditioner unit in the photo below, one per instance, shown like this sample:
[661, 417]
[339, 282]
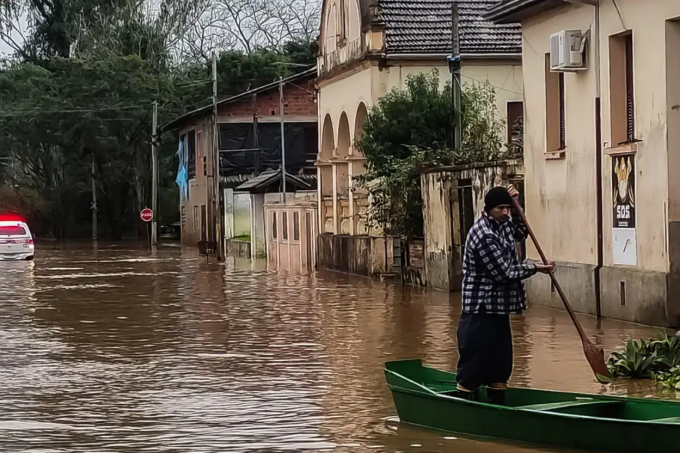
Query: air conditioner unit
[566, 51]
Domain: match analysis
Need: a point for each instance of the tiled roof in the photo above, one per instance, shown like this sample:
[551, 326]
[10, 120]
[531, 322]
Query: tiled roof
[424, 26]
[234, 181]
[267, 178]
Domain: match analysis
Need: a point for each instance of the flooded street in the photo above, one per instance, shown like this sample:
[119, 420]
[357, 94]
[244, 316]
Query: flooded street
[120, 350]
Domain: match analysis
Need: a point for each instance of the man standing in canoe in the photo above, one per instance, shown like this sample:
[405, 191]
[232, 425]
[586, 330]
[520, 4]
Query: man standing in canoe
[492, 291]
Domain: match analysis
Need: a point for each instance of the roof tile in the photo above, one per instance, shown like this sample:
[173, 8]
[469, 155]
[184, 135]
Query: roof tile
[424, 26]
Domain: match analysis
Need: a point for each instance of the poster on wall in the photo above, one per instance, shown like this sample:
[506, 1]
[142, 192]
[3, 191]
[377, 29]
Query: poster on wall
[623, 203]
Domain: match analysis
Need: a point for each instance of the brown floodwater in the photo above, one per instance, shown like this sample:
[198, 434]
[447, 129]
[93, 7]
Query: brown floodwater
[125, 350]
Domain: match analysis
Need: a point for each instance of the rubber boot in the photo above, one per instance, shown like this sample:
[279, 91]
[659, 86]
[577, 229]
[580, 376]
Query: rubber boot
[495, 396]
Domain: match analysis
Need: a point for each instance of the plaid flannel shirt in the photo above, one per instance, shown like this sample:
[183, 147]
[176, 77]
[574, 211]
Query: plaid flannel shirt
[492, 273]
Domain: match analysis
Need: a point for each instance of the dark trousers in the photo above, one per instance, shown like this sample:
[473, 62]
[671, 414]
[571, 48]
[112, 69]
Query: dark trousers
[485, 349]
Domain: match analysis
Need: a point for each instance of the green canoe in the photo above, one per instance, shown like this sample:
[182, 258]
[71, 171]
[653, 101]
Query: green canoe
[426, 397]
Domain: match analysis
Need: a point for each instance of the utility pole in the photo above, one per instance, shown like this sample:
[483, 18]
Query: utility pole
[94, 201]
[454, 65]
[283, 140]
[216, 166]
[256, 140]
[154, 175]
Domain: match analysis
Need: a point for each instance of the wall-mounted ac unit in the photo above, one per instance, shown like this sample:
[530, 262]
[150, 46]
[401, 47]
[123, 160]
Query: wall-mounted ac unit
[566, 51]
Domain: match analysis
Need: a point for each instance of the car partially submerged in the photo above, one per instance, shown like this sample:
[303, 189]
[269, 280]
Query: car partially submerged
[16, 239]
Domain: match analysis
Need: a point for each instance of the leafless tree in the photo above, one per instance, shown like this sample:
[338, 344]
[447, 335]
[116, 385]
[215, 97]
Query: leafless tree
[251, 25]
[191, 30]
[203, 36]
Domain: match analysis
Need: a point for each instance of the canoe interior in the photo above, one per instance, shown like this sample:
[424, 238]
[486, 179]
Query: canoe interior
[410, 376]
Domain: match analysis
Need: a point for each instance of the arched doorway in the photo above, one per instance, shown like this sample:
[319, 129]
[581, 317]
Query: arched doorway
[325, 175]
[361, 117]
[342, 175]
[327, 140]
[325, 157]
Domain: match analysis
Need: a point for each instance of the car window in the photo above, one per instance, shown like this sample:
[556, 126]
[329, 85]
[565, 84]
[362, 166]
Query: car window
[12, 231]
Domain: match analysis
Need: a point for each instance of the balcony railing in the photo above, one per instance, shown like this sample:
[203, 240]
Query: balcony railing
[352, 51]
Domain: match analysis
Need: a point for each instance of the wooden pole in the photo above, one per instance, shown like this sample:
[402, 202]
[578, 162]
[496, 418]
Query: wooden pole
[217, 214]
[154, 176]
[256, 140]
[283, 141]
[94, 201]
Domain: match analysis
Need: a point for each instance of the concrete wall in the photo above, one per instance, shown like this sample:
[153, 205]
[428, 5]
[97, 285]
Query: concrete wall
[487, 176]
[442, 249]
[561, 188]
[443, 244]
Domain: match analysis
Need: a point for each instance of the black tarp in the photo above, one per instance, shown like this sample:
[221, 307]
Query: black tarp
[235, 137]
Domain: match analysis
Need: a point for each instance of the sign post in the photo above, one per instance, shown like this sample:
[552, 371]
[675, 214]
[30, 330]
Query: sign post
[147, 216]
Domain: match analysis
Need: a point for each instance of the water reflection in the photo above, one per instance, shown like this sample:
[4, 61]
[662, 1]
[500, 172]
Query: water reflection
[122, 349]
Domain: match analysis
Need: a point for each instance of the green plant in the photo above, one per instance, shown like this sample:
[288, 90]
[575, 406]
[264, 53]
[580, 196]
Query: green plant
[669, 379]
[657, 358]
[395, 200]
[482, 125]
[667, 349]
[636, 361]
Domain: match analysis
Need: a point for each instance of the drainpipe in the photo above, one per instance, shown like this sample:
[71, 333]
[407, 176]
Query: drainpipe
[598, 163]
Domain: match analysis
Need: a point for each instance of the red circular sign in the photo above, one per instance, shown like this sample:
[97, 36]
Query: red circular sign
[146, 215]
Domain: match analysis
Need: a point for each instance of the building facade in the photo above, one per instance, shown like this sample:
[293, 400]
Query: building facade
[249, 144]
[601, 142]
[367, 48]
[453, 199]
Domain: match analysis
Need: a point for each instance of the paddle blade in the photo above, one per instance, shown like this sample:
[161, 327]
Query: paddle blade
[595, 357]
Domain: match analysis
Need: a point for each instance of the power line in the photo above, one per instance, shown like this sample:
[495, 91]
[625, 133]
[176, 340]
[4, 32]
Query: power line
[109, 109]
[497, 87]
[618, 10]
[529, 44]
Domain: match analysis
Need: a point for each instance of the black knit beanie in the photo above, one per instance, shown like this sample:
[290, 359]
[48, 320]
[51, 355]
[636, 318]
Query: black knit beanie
[496, 197]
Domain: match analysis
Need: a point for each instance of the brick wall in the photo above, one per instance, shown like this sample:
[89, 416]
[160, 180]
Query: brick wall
[298, 100]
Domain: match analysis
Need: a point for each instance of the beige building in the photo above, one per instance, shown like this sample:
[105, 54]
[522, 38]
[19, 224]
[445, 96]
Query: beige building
[602, 90]
[368, 47]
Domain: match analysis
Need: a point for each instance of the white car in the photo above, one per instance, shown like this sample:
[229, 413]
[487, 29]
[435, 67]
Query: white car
[16, 239]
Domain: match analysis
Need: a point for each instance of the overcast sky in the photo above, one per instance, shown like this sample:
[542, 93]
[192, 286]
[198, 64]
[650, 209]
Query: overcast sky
[6, 48]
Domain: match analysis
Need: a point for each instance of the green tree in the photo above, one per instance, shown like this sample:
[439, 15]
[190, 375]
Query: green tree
[80, 88]
[412, 129]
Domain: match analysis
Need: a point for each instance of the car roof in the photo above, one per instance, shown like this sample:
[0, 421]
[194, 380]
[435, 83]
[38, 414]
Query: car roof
[15, 223]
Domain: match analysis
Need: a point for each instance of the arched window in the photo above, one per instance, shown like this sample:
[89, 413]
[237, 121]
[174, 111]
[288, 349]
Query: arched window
[342, 21]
